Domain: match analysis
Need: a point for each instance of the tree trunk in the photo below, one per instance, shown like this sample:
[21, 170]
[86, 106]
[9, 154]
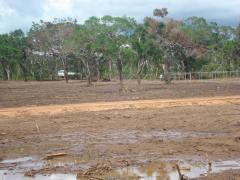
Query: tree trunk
[89, 80]
[88, 71]
[66, 75]
[139, 78]
[5, 75]
[53, 71]
[53, 77]
[64, 62]
[24, 71]
[98, 74]
[23, 67]
[120, 74]
[119, 66]
[167, 74]
[97, 68]
[8, 73]
[110, 70]
[80, 70]
[139, 73]
[186, 67]
[141, 65]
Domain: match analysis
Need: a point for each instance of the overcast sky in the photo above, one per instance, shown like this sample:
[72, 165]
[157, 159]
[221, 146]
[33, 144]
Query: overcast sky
[21, 13]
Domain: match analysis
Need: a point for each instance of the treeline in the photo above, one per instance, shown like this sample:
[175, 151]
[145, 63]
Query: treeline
[119, 47]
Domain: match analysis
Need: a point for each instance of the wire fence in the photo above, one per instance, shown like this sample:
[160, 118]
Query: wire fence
[205, 75]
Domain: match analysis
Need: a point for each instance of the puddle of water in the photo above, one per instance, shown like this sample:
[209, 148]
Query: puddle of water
[14, 169]
[124, 136]
[154, 171]
[4, 175]
[169, 171]
[134, 136]
[222, 166]
[17, 160]
[24, 164]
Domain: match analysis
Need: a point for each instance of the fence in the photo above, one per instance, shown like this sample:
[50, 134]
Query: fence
[206, 75]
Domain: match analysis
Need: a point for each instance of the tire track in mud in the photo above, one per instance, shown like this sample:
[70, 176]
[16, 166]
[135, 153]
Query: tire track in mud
[118, 105]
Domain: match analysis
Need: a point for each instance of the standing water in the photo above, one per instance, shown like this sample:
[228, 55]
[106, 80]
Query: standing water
[14, 170]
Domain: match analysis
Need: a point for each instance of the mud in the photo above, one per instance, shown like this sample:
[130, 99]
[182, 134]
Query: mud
[17, 94]
[199, 124]
[150, 171]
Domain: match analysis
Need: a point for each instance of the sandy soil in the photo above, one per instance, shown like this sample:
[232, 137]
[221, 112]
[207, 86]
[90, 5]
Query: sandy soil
[199, 121]
[119, 105]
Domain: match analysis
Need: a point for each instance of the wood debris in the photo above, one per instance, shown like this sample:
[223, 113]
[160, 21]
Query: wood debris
[52, 156]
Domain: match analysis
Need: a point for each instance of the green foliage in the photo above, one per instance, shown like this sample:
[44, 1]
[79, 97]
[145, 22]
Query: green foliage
[104, 47]
[12, 47]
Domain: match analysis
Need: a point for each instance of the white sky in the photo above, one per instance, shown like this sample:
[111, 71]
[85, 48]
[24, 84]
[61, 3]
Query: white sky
[21, 13]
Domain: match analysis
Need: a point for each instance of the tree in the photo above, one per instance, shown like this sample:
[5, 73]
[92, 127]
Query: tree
[176, 47]
[120, 32]
[145, 48]
[12, 49]
[47, 40]
[109, 47]
[81, 43]
[101, 38]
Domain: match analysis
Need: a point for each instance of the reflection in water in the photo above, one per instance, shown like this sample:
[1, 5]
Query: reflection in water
[153, 171]
[168, 171]
[8, 176]
[150, 173]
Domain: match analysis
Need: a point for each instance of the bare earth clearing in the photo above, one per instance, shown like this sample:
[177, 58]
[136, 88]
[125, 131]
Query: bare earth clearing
[101, 132]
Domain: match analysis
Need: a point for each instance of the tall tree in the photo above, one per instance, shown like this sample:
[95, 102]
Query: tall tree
[47, 39]
[12, 48]
[145, 48]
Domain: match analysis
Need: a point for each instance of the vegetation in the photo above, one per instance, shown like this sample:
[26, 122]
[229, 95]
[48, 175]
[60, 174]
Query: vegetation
[119, 47]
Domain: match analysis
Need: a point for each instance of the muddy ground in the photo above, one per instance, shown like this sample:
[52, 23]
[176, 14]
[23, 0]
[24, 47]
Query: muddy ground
[15, 94]
[195, 121]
